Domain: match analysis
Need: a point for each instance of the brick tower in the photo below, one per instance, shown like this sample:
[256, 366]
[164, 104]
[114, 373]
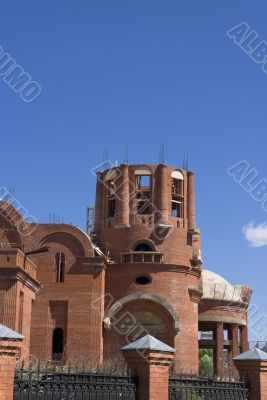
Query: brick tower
[145, 222]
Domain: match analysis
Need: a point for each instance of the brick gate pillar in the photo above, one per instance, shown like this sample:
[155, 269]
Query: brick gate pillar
[252, 367]
[10, 343]
[149, 360]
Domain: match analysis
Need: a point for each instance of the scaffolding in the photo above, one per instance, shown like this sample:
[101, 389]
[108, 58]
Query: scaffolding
[90, 219]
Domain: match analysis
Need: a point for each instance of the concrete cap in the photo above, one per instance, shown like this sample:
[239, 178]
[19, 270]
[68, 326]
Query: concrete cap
[7, 333]
[252, 354]
[148, 342]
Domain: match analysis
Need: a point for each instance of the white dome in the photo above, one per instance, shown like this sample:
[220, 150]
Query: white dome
[216, 287]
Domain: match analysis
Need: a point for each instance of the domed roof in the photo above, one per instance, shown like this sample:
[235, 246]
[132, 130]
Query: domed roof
[216, 287]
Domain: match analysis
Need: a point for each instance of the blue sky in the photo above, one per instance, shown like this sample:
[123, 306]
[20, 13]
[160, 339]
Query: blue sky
[142, 73]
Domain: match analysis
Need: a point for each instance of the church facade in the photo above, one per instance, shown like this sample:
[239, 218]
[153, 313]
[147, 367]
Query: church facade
[78, 296]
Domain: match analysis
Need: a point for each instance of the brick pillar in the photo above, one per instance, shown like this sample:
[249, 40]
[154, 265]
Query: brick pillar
[164, 198]
[234, 351]
[99, 202]
[218, 353]
[252, 367]
[9, 352]
[191, 201]
[149, 360]
[244, 338]
[123, 197]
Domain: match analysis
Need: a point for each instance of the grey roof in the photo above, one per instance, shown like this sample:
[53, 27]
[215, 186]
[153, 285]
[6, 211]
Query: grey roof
[253, 354]
[259, 344]
[7, 333]
[148, 342]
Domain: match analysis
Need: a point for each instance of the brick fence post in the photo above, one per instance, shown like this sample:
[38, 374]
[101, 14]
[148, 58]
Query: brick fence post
[150, 360]
[10, 343]
[252, 367]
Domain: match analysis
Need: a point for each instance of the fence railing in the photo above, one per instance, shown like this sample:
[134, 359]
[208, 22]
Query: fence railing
[48, 385]
[196, 388]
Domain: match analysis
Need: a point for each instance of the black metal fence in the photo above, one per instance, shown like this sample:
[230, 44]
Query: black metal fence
[45, 385]
[194, 388]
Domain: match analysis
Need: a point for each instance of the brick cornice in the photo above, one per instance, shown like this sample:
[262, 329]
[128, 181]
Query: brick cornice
[19, 274]
[186, 269]
[225, 319]
[225, 305]
[99, 262]
[251, 365]
[148, 357]
[9, 347]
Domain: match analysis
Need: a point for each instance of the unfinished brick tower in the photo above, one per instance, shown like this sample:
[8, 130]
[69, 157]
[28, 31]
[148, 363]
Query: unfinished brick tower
[145, 222]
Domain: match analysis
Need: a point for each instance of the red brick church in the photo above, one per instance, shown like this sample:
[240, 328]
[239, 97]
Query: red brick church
[78, 295]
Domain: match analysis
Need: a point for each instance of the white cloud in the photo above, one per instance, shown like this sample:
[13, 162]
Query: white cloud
[256, 235]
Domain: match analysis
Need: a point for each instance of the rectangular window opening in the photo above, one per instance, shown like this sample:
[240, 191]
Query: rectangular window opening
[111, 207]
[177, 198]
[21, 309]
[177, 187]
[177, 208]
[143, 182]
[111, 198]
[205, 335]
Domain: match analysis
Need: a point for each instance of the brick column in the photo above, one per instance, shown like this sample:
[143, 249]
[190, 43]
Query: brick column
[10, 343]
[99, 211]
[252, 367]
[163, 201]
[191, 201]
[123, 197]
[149, 360]
[234, 338]
[218, 352]
[244, 338]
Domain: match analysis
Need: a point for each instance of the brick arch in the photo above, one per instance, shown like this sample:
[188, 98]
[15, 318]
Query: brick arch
[117, 306]
[72, 237]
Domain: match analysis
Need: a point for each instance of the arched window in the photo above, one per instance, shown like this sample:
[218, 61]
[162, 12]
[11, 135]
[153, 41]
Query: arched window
[60, 266]
[57, 342]
[143, 246]
[177, 194]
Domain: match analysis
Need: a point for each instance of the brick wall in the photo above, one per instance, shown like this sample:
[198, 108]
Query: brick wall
[67, 304]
